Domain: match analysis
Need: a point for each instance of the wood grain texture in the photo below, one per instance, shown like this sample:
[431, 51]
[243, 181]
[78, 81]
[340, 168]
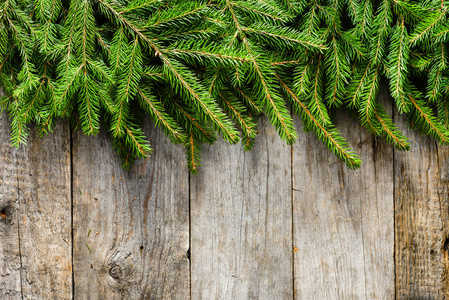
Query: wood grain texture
[241, 242]
[35, 217]
[131, 228]
[10, 283]
[343, 219]
[44, 189]
[340, 233]
[422, 219]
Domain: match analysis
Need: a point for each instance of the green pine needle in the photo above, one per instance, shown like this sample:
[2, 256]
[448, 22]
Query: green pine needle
[198, 69]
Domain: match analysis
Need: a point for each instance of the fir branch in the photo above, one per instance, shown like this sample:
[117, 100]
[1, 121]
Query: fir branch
[427, 123]
[380, 31]
[179, 15]
[337, 71]
[368, 104]
[129, 79]
[435, 77]
[424, 28]
[236, 111]
[258, 10]
[262, 83]
[205, 54]
[136, 6]
[398, 66]
[202, 130]
[389, 130]
[283, 38]
[155, 109]
[199, 68]
[89, 105]
[326, 133]
[441, 34]
[192, 153]
[316, 103]
[248, 100]
[262, 86]
[365, 18]
[187, 86]
[443, 111]
[357, 86]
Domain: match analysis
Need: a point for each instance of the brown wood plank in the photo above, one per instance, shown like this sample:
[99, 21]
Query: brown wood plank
[131, 235]
[35, 217]
[422, 219]
[343, 219]
[241, 240]
[10, 286]
[44, 188]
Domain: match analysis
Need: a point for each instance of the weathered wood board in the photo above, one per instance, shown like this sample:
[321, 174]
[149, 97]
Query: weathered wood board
[422, 219]
[10, 283]
[44, 189]
[343, 219]
[35, 217]
[241, 218]
[278, 222]
[131, 228]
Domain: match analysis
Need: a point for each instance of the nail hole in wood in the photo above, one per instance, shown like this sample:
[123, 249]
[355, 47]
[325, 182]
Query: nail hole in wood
[446, 244]
[4, 211]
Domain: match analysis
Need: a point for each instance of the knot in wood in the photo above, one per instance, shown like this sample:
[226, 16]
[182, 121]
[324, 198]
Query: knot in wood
[115, 271]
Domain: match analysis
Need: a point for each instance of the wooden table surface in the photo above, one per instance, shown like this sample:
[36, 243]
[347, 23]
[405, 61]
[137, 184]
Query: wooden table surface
[279, 222]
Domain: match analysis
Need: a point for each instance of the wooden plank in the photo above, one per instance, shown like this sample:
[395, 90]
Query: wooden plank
[131, 228]
[35, 217]
[10, 286]
[44, 187]
[241, 222]
[422, 219]
[343, 219]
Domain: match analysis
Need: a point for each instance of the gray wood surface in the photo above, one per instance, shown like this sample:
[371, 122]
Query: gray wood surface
[45, 215]
[241, 218]
[131, 229]
[343, 219]
[10, 285]
[35, 217]
[422, 219]
[278, 222]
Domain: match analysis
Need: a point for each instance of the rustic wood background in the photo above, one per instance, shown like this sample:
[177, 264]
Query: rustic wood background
[278, 222]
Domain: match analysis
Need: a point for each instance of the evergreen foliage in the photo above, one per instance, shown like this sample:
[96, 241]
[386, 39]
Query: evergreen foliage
[200, 69]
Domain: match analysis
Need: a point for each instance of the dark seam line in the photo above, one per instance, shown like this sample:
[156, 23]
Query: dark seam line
[71, 208]
[190, 238]
[394, 213]
[293, 222]
[18, 233]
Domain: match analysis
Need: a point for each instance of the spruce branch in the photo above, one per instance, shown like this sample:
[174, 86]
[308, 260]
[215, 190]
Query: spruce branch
[160, 117]
[186, 85]
[398, 71]
[427, 122]
[198, 68]
[328, 134]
